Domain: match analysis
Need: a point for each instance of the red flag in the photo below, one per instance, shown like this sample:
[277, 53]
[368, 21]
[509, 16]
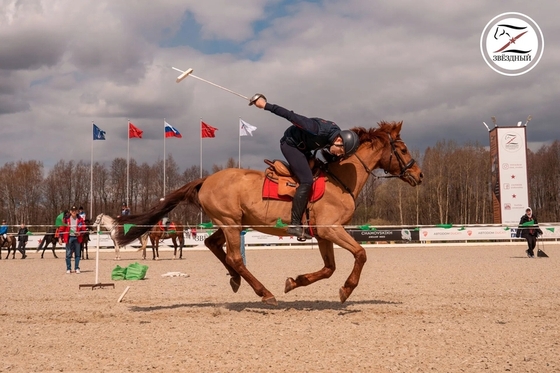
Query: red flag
[208, 131]
[134, 131]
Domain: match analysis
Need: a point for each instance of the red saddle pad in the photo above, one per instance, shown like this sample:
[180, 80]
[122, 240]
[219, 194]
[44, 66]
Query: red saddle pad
[270, 190]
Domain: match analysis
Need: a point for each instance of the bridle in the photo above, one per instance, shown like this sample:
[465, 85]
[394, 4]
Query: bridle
[403, 166]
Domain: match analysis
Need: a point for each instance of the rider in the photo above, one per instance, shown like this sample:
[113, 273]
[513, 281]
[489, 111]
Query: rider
[299, 141]
[165, 222]
[3, 232]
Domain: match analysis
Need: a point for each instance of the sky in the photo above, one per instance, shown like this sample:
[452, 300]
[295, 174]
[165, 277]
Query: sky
[66, 64]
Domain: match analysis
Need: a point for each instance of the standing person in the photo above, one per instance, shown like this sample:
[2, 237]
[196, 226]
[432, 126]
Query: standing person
[300, 140]
[71, 234]
[22, 240]
[81, 213]
[3, 232]
[529, 229]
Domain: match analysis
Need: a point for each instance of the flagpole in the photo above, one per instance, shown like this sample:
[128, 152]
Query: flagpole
[239, 139]
[164, 156]
[91, 175]
[127, 159]
[201, 161]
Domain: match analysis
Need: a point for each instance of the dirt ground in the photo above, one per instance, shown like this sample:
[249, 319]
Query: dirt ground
[439, 309]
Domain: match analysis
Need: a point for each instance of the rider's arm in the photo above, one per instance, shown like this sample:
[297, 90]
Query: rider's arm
[300, 121]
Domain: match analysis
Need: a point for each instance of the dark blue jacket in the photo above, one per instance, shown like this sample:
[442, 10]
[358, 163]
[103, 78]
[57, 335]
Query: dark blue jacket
[306, 134]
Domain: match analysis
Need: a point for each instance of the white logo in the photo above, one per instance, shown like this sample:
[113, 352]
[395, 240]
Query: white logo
[512, 44]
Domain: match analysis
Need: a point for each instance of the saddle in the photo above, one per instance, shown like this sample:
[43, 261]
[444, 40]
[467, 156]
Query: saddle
[280, 184]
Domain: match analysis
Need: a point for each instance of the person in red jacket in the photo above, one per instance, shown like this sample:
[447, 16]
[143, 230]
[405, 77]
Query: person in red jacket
[71, 234]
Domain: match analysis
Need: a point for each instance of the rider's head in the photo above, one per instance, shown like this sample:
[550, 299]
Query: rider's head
[345, 144]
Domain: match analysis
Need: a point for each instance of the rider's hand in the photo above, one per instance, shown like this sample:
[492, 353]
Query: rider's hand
[260, 103]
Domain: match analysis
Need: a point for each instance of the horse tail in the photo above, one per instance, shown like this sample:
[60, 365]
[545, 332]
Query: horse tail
[138, 224]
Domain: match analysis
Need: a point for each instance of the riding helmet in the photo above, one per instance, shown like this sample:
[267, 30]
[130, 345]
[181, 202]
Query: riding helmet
[351, 141]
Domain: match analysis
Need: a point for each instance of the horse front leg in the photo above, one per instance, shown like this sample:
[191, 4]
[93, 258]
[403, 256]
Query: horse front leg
[343, 239]
[327, 253]
[117, 251]
[53, 252]
[215, 242]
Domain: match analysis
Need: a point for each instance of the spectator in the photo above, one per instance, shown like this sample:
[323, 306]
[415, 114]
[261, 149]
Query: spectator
[529, 229]
[3, 232]
[71, 234]
[81, 213]
[22, 240]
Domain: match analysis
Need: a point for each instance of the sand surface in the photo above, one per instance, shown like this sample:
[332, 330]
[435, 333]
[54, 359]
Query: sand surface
[455, 309]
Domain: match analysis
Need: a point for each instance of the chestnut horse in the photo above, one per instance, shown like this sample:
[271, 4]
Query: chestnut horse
[232, 199]
[175, 232]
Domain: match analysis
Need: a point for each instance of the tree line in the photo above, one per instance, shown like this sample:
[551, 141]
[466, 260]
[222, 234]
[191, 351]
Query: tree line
[456, 188]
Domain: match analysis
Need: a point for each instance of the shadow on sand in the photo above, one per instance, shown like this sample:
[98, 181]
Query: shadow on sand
[264, 308]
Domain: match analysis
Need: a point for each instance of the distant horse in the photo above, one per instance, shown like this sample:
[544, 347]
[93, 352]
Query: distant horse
[111, 225]
[233, 200]
[175, 232]
[50, 238]
[85, 240]
[10, 244]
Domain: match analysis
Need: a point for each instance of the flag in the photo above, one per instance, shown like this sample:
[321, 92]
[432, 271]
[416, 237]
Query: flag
[208, 131]
[59, 220]
[134, 131]
[245, 128]
[171, 131]
[98, 134]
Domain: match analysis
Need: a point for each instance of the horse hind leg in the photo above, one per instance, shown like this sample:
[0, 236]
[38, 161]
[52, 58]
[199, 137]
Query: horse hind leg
[327, 253]
[215, 243]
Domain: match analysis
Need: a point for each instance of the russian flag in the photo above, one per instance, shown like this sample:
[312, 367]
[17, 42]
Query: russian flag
[171, 131]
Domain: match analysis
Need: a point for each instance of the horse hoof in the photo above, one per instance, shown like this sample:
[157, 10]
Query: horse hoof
[290, 285]
[343, 295]
[235, 283]
[271, 301]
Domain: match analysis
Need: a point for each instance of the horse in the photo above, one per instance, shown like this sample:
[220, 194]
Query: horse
[85, 240]
[48, 239]
[230, 199]
[10, 244]
[175, 232]
[111, 225]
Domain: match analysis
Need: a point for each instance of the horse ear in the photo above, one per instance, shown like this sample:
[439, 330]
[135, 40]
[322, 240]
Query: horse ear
[396, 129]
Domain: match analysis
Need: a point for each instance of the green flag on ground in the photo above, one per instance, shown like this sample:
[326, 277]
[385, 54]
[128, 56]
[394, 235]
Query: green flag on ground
[550, 229]
[446, 226]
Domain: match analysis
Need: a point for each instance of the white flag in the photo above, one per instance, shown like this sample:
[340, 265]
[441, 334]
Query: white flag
[245, 128]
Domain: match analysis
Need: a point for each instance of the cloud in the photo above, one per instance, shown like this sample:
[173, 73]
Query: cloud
[64, 64]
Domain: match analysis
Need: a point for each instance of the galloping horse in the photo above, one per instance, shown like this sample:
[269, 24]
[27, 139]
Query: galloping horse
[158, 232]
[111, 225]
[10, 244]
[230, 199]
[48, 239]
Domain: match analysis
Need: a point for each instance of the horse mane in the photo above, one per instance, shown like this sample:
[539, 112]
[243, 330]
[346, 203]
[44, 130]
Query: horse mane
[376, 133]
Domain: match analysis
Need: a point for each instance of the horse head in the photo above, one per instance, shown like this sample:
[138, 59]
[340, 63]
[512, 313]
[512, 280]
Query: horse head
[395, 159]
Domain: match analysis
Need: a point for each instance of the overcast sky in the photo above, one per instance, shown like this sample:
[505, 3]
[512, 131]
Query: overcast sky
[66, 63]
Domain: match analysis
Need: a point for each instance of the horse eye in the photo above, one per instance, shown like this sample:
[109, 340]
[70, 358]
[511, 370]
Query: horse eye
[404, 151]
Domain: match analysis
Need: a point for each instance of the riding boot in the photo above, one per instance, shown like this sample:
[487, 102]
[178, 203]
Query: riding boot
[299, 205]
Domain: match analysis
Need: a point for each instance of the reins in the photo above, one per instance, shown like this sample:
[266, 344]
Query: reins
[404, 167]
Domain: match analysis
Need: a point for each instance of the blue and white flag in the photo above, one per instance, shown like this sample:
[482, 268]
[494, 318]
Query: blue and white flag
[98, 134]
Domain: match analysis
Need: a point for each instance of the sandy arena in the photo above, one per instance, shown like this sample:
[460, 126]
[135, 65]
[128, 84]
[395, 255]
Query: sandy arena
[454, 309]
